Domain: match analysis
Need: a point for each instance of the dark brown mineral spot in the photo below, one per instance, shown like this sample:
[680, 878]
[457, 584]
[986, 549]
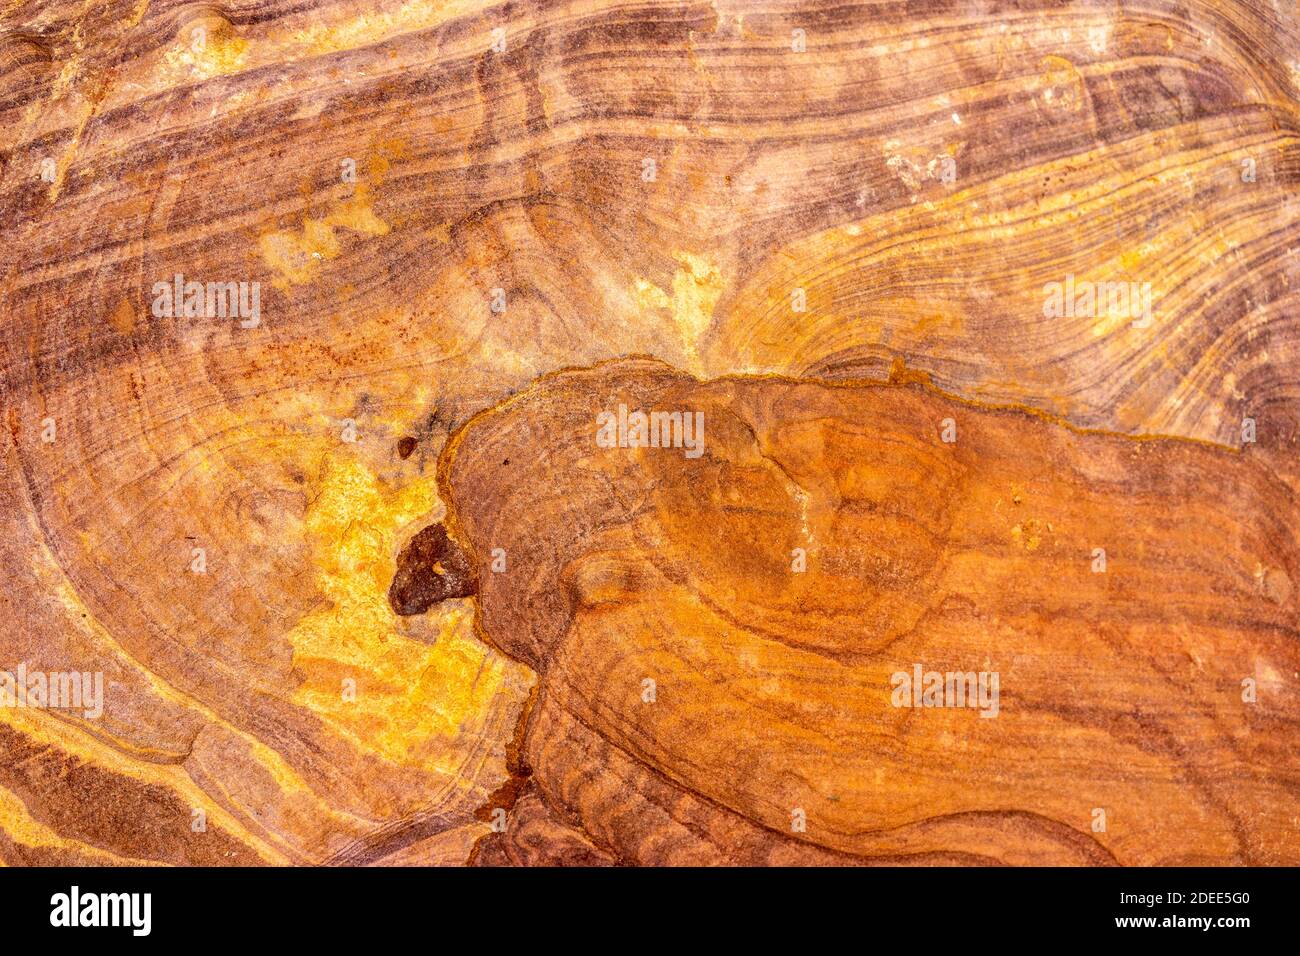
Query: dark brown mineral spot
[405, 447]
[430, 569]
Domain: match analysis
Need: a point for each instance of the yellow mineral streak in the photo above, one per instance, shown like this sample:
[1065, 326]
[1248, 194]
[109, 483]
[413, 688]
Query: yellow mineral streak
[84, 113]
[23, 829]
[129, 759]
[43, 726]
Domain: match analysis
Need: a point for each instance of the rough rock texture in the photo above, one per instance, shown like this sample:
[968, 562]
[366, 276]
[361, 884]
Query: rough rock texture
[430, 570]
[442, 200]
[829, 538]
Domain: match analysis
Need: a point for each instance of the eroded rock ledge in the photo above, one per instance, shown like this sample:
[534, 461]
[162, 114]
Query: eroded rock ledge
[717, 637]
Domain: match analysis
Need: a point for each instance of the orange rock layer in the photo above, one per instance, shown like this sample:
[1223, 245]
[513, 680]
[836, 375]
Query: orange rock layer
[718, 637]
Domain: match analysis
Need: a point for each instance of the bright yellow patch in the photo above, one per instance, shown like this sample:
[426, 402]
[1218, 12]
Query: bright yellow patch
[368, 29]
[296, 256]
[217, 52]
[1028, 534]
[650, 296]
[413, 700]
[697, 286]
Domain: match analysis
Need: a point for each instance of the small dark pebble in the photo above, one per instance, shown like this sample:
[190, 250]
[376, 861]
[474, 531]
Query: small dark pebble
[417, 585]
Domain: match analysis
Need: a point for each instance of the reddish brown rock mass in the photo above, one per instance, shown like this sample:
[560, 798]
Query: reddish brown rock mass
[717, 638]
